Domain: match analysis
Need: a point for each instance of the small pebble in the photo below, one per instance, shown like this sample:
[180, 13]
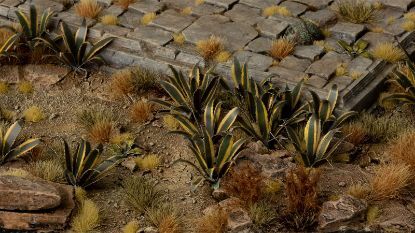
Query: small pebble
[342, 184]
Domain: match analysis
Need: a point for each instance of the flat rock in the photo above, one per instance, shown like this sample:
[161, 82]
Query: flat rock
[22, 194]
[271, 28]
[376, 38]
[259, 45]
[261, 4]
[294, 7]
[348, 32]
[311, 52]
[317, 4]
[152, 35]
[171, 20]
[402, 4]
[327, 65]
[235, 35]
[50, 221]
[145, 6]
[292, 62]
[336, 215]
[130, 19]
[284, 74]
[320, 17]
[44, 74]
[244, 14]
[393, 217]
[11, 74]
[255, 61]
[222, 3]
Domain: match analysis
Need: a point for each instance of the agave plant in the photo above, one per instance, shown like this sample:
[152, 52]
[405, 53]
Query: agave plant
[8, 45]
[190, 96]
[314, 146]
[85, 167]
[213, 122]
[77, 52]
[356, 49]
[214, 161]
[405, 80]
[32, 26]
[8, 138]
[325, 110]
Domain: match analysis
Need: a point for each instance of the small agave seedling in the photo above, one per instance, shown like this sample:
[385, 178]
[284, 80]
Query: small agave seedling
[356, 49]
[8, 138]
[84, 167]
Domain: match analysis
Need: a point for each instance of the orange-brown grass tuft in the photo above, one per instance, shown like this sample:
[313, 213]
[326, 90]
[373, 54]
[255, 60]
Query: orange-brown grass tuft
[355, 132]
[166, 218]
[101, 132]
[301, 190]
[281, 48]
[124, 3]
[5, 34]
[122, 83]
[402, 149]
[245, 182]
[210, 47]
[389, 180]
[213, 222]
[88, 8]
[359, 191]
[141, 111]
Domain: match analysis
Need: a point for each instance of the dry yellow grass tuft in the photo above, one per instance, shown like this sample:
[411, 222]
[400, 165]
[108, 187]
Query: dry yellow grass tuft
[186, 11]
[141, 194]
[51, 170]
[87, 218]
[377, 29]
[179, 38]
[402, 149]
[357, 11]
[25, 87]
[355, 74]
[389, 52]
[148, 18]
[281, 48]
[15, 172]
[33, 114]
[359, 191]
[148, 162]
[124, 3]
[213, 222]
[4, 88]
[80, 194]
[109, 20]
[372, 213]
[101, 132]
[223, 56]
[210, 47]
[341, 69]
[199, 2]
[262, 214]
[141, 111]
[88, 8]
[408, 25]
[276, 10]
[119, 139]
[410, 16]
[355, 132]
[122, 83]
[131, 227]
[170, 122]
[389, 180]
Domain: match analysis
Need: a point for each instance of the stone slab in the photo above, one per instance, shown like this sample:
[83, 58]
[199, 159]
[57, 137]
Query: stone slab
[311, 52]
[294, 63]
[244, 14]
[254, 60]
[271, 28]
[151, 35]
[348, 32]
[130, 19]
[259, 45]
[327, 65]
[145, 6]
[321, 17]
[173, 21]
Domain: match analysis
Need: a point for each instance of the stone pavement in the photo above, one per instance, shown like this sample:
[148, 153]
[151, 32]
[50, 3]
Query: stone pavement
[246, 33]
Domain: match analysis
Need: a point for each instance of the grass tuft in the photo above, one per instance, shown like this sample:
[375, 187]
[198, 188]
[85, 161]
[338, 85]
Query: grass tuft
[281, 48]
[131, 227]
[148, 162]
[402, 149]
[389, 180]
[121, 138]
[109, 20]
[359, 191]
[357, 11]
[210, 47]
[4, 88]
[15, 172]
[88, 8]
[223, 56]
[101, 132]
[51, 170]
[148, 18]
[141, 111]
[141, 194]
[389, 52]
[199, 2]
[408, 25]
[170, 122]
[179, 38]
[341, 69]
[186, 11]
[372, 213]
[262, 214]
[355, 132]
[276, 10]
[124, 3]
[409, 16]
[25, 87]
[213, 222]
[33, 114]
[5, 34]
[166, 218]
[302, 204]
[87, 218]
[122, 83]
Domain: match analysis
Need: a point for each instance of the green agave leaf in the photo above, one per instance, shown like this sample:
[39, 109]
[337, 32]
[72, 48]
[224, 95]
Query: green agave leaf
[324, 145]
[312, 134]
[228, 120]
[22, 149]
[33, 21]
[209, 148]
[44, 20]
[333, 96]
[209, 119]
[80, 35]
[69, 41]
[82, 152]
[173, 92]
[10, 136]
[224, 151]
[24, 23]
[402, 97]
[97, 48]
[9, 43]
[68, 157]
